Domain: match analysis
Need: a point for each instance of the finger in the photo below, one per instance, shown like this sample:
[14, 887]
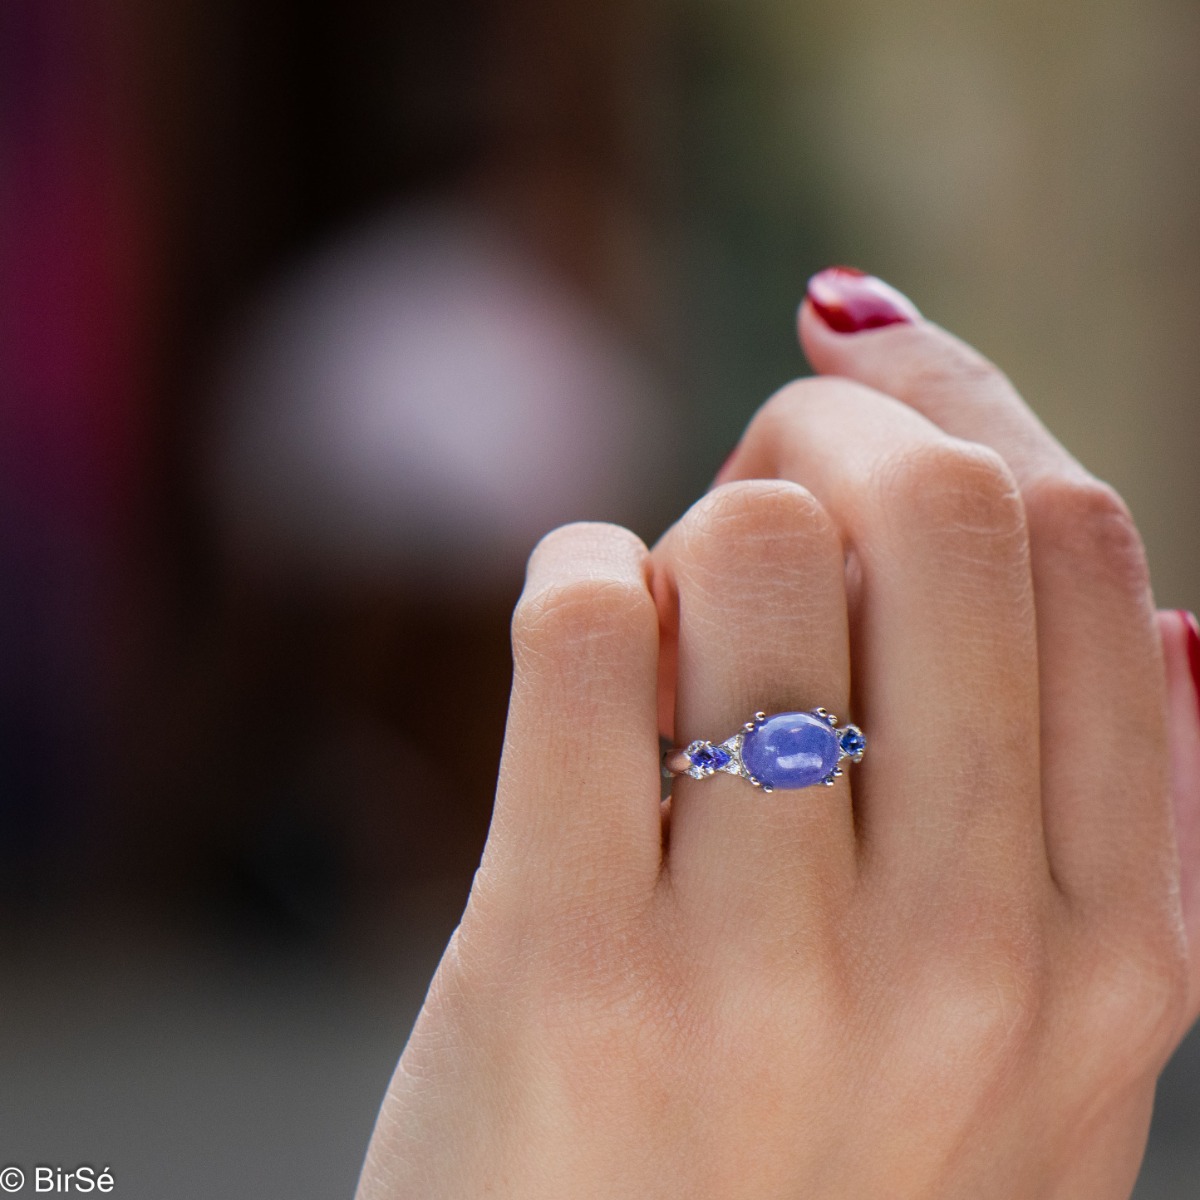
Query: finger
[577, 805]
[905, 356]
[1181, 654]
[943, 638]
[1107, 812]
[756, 573]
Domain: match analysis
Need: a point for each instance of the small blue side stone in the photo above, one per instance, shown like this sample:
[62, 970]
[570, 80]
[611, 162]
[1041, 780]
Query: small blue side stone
[711, 757]
[791, 750]
[853, 741]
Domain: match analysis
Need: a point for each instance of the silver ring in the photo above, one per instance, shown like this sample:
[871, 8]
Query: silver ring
[784, 750]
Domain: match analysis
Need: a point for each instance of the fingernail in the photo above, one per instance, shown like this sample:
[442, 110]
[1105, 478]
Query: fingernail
[849, 301]
[1193, 647]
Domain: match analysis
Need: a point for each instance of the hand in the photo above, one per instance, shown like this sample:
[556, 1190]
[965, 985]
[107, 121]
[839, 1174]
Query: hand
[955, 973]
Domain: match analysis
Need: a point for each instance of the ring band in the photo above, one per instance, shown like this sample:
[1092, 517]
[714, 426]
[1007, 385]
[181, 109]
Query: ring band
[784, 750]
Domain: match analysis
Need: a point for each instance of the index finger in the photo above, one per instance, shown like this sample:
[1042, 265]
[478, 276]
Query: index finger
[1109, 829]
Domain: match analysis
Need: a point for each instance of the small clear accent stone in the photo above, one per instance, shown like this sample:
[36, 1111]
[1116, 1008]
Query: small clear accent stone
[710, 758]
[852, 741]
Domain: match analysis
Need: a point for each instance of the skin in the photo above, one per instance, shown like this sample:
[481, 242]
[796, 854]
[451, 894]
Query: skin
[956, 973]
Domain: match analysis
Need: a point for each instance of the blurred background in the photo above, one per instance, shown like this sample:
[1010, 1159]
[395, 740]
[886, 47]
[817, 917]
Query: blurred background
[316, 315]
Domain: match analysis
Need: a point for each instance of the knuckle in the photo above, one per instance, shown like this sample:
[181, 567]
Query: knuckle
[774, 419]
[1136, 990]
[987, 1008]
[579, 613]
[1087, 520]
[784, 416]
[598, 547]
[990, 987]
[756, 516]
[952, 489]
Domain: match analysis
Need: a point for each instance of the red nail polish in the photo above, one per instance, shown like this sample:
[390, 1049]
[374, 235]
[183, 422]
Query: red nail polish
[849, 301]
[1193, 647]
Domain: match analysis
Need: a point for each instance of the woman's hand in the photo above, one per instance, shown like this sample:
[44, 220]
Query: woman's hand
[955, 973]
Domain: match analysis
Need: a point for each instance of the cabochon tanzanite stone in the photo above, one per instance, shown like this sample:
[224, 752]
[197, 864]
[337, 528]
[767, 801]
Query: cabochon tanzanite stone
[791, 750]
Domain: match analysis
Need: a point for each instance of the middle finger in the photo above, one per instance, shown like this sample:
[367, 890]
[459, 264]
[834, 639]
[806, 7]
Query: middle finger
[942, 629]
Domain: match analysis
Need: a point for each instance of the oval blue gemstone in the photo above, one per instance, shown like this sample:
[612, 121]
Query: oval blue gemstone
[791, 750]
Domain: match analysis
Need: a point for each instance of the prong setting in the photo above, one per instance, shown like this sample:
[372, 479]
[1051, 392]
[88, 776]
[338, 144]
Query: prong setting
[789, 745]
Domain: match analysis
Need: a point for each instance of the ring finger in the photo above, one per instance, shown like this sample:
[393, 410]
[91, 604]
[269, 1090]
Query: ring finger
[755, 602]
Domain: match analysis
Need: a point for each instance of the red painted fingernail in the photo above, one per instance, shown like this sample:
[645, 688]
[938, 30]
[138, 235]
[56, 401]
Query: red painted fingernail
[1193, 647]
[849, 301]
